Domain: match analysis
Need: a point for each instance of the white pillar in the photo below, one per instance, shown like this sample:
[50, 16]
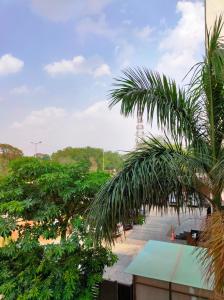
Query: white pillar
[213, 9]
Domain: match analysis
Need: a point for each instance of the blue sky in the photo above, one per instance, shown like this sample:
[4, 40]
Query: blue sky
[58, 59]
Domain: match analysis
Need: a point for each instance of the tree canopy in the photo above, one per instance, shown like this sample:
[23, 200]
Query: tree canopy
[8, 153]
[95, 157]
[48, 245]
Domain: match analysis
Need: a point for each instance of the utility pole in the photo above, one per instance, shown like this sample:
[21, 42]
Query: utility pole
[35, 147]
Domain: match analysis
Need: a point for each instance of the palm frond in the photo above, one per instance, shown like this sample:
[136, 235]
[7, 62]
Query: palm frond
[207, 84]
[142, 90]
[152, 174]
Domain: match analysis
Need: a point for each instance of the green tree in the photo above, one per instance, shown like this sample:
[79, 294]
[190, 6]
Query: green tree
[95, 157]
[8, 153]
[188, 161]
[49, 252]
[42, 156]
[113, 161]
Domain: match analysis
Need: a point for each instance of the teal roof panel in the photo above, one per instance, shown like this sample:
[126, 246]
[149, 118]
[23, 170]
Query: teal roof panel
[169, 262]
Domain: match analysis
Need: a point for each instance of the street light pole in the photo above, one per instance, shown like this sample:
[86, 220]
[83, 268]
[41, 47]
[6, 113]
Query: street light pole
[35, 147]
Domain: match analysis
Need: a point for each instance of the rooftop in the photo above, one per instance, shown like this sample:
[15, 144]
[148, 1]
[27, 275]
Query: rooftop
[170, 262]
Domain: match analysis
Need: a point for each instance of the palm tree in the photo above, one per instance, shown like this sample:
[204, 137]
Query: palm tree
[188, 161]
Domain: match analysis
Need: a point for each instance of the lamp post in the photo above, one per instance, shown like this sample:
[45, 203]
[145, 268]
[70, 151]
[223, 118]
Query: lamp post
[35, 147]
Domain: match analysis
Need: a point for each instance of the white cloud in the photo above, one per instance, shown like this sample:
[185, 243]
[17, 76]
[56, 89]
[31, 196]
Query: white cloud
[96, 26]
[40, 118]
[78, 65]
[127, 22]
[75, 65]
[9, 64]
[144, 33]
[95, 126]
[63, 10]
[93, 7]
[25, 90]
[124, 54]
[102, 70]
[20, 90]
[182, 44]
[55, 10]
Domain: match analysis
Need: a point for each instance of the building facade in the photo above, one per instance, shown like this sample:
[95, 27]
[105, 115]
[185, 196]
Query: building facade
[213, 9]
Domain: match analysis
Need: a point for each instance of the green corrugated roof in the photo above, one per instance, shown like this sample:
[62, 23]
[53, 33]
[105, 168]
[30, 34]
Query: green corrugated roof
[169, 262]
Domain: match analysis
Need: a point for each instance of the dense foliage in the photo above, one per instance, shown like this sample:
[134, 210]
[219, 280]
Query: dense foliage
[66, 270]
[7, 153]
[49, 252]
[97, 159]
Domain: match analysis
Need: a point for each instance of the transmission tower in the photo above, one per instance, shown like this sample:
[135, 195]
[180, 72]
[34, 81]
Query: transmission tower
[139, 128]
[35, 147]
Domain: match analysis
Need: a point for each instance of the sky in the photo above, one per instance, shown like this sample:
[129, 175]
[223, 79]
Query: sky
[59, 58]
